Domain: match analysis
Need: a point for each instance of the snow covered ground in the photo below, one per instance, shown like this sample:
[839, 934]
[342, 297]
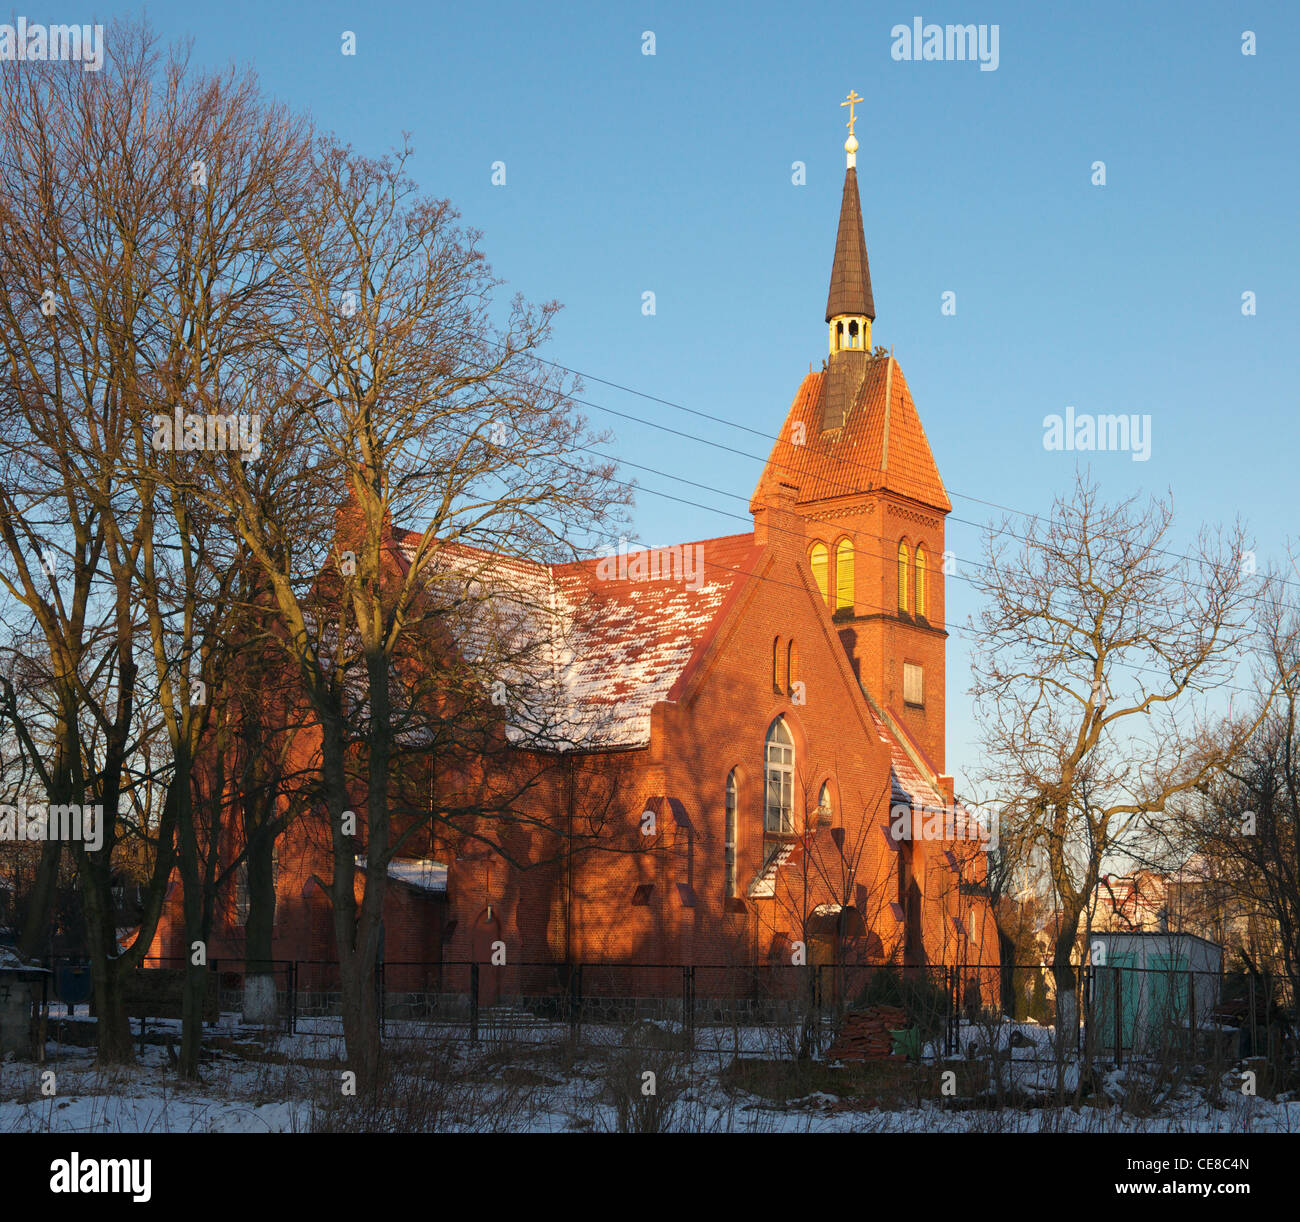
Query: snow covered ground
[525, 1078]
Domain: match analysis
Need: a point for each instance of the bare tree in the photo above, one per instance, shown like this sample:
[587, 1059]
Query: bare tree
[413, 407]
[128, 295]
[1097, 649]
[71, 286]
[1235, 842]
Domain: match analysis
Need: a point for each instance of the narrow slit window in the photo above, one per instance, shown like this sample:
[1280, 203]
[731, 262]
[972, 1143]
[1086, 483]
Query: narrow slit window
[730, 847]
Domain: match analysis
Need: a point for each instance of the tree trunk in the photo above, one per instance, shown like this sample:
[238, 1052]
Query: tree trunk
[35, 938]
[360, 1015]
[259, 978]
[1067, 987]
[357, 940]
[194, 986]
[108, 973]
[194, 982]
[36, 934]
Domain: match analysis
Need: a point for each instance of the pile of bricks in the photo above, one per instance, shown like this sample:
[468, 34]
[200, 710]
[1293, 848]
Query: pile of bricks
[864, 1035]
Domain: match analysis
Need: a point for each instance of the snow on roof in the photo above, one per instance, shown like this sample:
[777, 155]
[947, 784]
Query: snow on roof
[586, 649]
[10, 962]
[418, 872]
[907, 784]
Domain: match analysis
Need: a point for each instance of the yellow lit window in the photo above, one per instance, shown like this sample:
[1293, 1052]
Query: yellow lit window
[844, 575]
[819, 560]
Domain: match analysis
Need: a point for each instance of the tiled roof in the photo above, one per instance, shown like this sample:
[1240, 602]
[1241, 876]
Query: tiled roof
[850, 291]
[906, 781]
[877, 443]
[611, 646]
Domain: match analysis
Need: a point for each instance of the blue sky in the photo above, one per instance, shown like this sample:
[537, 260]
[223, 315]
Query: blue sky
[671, 173]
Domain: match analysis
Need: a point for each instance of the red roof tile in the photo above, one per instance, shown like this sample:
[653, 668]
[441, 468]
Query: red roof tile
[615, 644]
[880, 444]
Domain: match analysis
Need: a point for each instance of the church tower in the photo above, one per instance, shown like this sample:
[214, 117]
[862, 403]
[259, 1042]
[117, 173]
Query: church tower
[869, 496]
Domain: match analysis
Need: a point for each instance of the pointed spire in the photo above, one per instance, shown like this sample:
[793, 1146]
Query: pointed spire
[850, 294]
[850, 276]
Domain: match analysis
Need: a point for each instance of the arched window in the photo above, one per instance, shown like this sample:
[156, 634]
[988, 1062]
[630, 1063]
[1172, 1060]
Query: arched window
[819, 561]
[730, 838]
[825, 809]
[844, 575]
[791, 667]
[778, 806]
[902, 577]
[778, 666]
[920, 581]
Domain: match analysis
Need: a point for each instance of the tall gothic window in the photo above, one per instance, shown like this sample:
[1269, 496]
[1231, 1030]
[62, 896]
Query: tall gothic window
[819, 560]
[778, 659]
[920, 581]
[791, 667]
[778, 807]
[730, 839]
[844, 575]
[902, 577]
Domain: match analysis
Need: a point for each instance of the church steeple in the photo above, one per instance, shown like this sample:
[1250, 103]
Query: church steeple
[850, 310]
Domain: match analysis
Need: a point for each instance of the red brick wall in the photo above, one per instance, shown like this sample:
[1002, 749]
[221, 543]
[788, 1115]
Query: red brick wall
[716, 724]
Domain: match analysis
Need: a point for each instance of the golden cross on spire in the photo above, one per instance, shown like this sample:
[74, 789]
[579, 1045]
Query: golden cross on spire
[851, 101]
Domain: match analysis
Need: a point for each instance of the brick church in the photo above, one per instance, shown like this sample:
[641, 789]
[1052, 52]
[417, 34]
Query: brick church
[764, 720]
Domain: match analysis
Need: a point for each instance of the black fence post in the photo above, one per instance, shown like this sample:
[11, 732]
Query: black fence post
[692, 1009]
[293, 996]
[688, 1006]
[1254, 1031]
[575, 1001]
[473, 1003]
[1119, 1017]
[950, 1037]
[379, 984]
[684, 971]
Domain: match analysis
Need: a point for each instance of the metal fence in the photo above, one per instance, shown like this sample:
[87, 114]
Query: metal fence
[262, 993]
[1124, 1012]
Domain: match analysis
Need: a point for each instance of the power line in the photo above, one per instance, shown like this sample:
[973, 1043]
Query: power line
[780, 467]
[773, 439]
[802, 538]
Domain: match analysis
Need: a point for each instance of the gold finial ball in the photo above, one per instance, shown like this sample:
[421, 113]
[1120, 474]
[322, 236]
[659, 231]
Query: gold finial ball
[851, 144]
